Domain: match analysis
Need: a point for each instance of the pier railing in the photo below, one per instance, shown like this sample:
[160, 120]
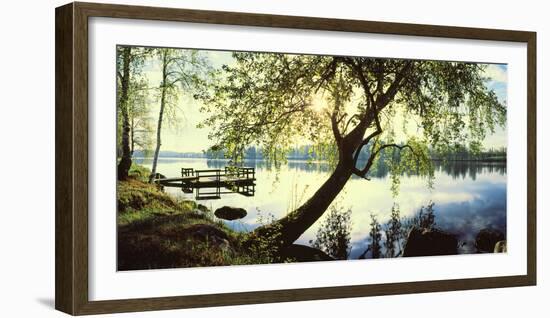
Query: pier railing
[208, 183]
[208, 179]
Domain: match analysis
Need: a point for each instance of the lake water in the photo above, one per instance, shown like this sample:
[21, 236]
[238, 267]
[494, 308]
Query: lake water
[468, 196]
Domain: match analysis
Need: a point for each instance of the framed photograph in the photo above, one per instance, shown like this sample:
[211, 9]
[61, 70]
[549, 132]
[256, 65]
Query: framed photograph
[219, 158]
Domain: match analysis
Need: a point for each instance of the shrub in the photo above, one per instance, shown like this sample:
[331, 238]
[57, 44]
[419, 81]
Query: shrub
[394, 233]
[334, 235]
[375, 236]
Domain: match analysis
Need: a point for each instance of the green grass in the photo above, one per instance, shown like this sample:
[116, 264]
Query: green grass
[156, 230]
[139, 172]
[138, 200]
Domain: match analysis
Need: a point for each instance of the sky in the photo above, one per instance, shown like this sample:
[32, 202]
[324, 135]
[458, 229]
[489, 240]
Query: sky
[177, 138]
[498, 83]
[186, 137]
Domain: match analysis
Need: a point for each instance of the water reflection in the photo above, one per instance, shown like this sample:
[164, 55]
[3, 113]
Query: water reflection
[456, 169]
[468, 196]
[464, 169]
[467, 218]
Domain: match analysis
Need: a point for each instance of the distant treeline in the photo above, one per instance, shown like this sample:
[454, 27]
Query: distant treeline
[251, 153]
[168, 154]
[298, 153]
[463, 154]
[308, 152]
[456, 154]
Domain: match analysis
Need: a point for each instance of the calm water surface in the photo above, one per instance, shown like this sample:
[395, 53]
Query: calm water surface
[468, 196]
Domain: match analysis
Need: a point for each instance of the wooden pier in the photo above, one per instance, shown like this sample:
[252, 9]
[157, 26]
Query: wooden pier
[212, 183]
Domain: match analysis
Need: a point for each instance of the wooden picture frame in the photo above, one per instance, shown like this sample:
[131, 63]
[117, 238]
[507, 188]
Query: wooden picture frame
[71, 89]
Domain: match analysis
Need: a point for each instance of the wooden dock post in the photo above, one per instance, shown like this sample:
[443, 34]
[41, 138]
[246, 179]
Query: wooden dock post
[235, 179]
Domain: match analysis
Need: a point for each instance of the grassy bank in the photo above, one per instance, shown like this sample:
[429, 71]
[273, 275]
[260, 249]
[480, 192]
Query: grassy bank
[156, 230]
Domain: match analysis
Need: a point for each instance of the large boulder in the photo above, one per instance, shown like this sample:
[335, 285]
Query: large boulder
[486, 240]
[430, 243]
[230, 213]
[303, 253]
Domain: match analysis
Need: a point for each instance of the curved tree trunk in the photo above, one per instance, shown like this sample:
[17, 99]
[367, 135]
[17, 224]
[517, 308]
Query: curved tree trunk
[288, 229]
[126, 159]
[285, 231]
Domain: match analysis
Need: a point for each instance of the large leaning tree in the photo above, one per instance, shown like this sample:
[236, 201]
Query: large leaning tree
[368, 105]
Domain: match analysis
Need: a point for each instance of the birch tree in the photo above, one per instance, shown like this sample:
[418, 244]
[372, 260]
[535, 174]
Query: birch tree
[182, 70]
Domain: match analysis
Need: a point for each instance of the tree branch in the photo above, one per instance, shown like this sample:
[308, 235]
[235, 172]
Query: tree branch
[380, 78]
[365, 141]
[355, 67]
[362, 173]
[390, 93]
[327, 74]
[349, 122]
[335, 130]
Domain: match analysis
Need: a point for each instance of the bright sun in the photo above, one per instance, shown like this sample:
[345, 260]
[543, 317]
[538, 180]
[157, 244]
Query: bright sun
[318, 103]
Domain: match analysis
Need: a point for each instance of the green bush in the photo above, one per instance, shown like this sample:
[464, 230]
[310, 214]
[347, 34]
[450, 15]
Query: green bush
[334, 235]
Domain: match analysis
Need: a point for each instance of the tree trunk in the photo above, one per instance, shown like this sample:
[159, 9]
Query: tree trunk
[126, 158]
[288, 229]
[161, 114]
[132, 140]
[285, 231]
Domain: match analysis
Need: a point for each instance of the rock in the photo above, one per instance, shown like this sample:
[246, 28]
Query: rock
[202, 231]
[225, 245]
[302, 253]
[198, 213]
[486, 240]
[159, 176]
[230, 213]
[208, 233]
[429, 243]
[202, 208]
[500, 247]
